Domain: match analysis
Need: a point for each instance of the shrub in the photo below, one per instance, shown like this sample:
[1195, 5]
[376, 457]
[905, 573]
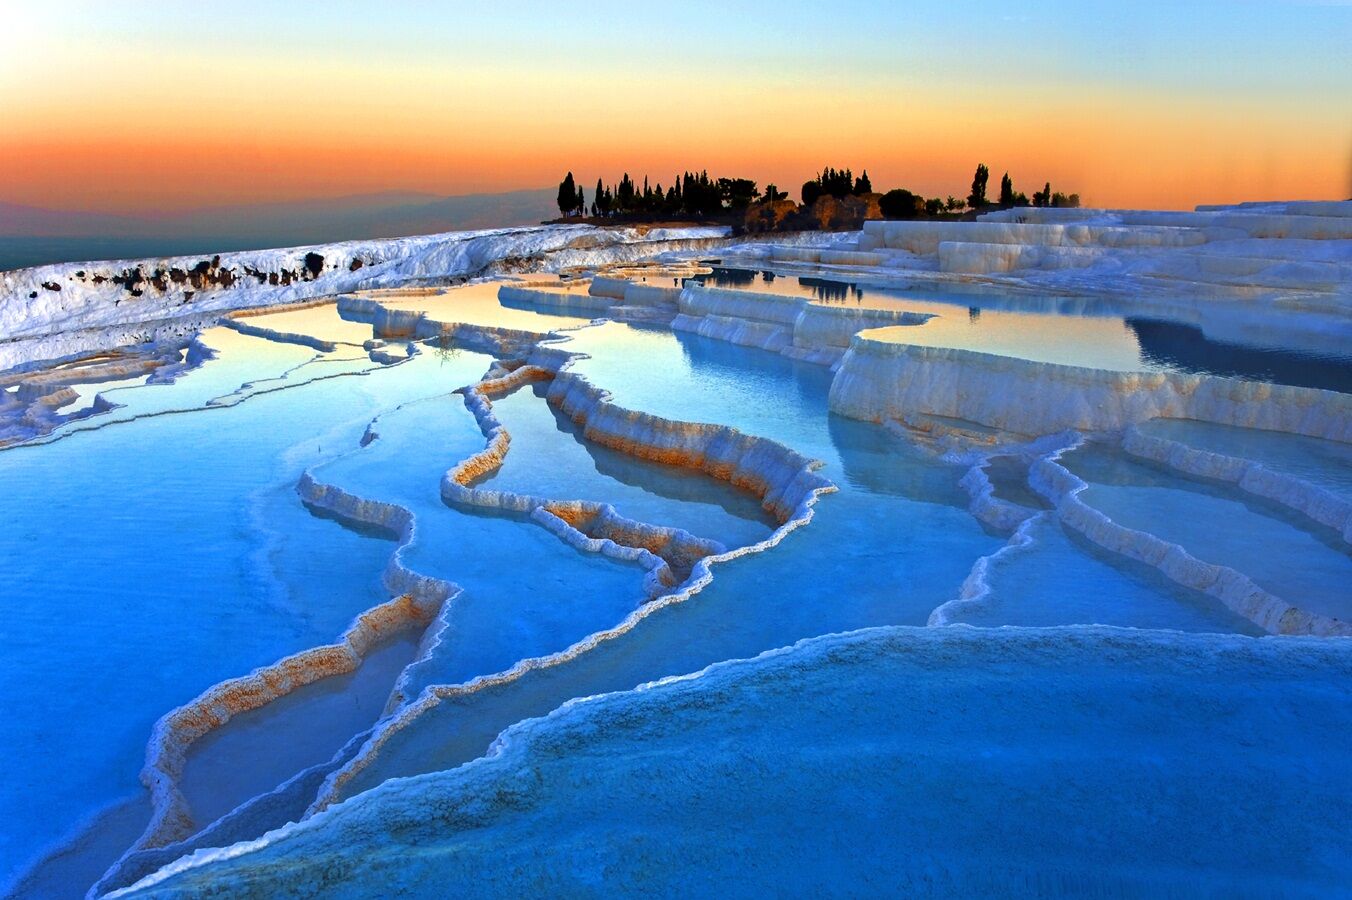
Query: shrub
[900, 204]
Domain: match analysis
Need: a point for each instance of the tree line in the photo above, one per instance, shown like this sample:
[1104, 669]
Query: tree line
[902, 204]
[1010, 197]
[697, 195]
[690, 194]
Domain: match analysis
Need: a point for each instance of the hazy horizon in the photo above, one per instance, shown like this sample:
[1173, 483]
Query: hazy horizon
[32, 236]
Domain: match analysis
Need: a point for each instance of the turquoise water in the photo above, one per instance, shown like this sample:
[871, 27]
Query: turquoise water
[1303, 564]
[1061, 579]
[896, 762]
[322, 321]
[477, 304]
[1009, 481]
[892, 545]
[161, 547]
[521, 583]
[302, 729]
[1326, 464]
[550, 458]
[178, 531]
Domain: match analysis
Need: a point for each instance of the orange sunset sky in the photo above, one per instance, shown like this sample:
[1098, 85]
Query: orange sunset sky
[143, 106]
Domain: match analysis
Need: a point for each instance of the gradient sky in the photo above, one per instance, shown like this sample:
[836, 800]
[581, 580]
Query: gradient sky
[139, 105]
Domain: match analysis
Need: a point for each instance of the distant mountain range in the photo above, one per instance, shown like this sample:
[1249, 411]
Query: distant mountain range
[360, 216]
[32, 235]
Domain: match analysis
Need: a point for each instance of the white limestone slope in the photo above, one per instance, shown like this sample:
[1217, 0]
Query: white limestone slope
[1249, 250]
[883, 378]
[793, 326]
[39, 303]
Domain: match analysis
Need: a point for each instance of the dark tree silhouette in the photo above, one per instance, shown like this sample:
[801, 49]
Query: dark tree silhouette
[567, 195]
[737, 193]
[977, 198]
[900, 204]
[863, 185]
[1006, 190]
[838, 183]
[1044, 196]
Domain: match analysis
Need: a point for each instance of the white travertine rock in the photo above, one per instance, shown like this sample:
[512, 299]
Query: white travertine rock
[971, 258]
[925, 236]
[553, 299]
[882, 378]
[985, 506]
[35, 403]
[69, 298]
[1282, 221]
[779, 322]
[650, 295]
[778, 309]
[742, 332]
[1341, 208]
[608, 286]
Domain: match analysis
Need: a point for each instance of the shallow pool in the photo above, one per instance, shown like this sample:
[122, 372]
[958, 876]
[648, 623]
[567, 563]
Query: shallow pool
[1095, 332]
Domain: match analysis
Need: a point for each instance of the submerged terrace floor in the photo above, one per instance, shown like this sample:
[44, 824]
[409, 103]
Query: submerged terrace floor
[173, 520]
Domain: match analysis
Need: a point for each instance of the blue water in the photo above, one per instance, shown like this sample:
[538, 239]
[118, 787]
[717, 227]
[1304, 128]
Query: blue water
[931, 763]
[526, 592]
[550, 458]
[150, 560]
[891, 546]
[160, 547]
[1326, 464]
[1067, 330]
[1304, 564]
[1061, 579]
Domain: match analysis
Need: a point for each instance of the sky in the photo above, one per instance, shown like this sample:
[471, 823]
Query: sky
[144, 106]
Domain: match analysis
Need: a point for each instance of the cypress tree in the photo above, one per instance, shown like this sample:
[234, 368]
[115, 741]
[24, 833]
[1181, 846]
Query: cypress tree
[1006, 190]
[977, 198]
[567, 195]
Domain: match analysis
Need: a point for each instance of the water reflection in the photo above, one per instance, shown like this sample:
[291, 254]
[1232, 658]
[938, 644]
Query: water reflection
[1175, 345]
[1097, 332]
